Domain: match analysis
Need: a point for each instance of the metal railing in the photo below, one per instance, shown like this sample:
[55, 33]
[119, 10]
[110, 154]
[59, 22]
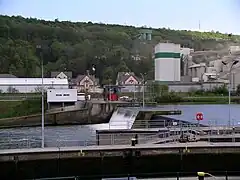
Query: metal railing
[217, 175]
[125, 138]
[33, 143]
[104, 139]
[112, 139]
[155, 133]
[146, 124]
[101, 139]
[168, 124]
[109, 139]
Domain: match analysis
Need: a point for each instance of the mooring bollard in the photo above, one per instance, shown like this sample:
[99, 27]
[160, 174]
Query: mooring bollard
[200, 175]
[133, 141]
[226, 175]
[136, 139]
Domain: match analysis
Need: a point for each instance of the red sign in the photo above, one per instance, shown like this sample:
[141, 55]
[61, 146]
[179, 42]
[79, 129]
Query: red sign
[199, 116]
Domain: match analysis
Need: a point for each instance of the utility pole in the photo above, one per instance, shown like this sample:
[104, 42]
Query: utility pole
[229, 89]
[42, 128]
[143, 91]
[94, 77]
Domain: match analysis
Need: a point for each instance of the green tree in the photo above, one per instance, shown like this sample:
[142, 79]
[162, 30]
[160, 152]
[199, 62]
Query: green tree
[107, 76]
[238, 90]
[76, 46]
[122, 67]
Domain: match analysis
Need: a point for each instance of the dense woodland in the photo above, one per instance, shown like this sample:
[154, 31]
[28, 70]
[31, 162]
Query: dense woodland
[68, 46]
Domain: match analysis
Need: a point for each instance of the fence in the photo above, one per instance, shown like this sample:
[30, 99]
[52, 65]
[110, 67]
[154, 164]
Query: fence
[147, 131]
[125, 138]
[113, 138]
[104, 139]
[26, 138]
[168, 123]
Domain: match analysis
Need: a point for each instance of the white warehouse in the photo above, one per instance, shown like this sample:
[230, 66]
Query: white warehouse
[31, 85]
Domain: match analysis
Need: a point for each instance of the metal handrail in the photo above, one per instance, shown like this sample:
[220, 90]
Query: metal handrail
[57, 140]
[155, 124]
[112, 138]
[159, 175]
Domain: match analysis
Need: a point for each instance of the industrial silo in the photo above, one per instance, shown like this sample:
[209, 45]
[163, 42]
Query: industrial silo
[167, 62]
[146, 34]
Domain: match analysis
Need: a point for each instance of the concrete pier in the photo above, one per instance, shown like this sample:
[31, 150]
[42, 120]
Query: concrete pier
[97, 161]
[94, 112]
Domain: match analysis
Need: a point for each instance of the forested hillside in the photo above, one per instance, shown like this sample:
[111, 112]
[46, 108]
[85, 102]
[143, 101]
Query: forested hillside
[77, 46]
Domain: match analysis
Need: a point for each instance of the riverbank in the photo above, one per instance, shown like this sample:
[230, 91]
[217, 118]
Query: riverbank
[17, 108]
[27, 113]
[10, 108]
[199, 100]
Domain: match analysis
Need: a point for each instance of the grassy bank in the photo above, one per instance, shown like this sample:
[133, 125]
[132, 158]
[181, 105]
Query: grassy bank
[201, 100]
[19, 108]
[33, 106]
[212, 100]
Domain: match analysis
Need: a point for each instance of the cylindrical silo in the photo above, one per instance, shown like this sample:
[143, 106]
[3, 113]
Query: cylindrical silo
[167, 62]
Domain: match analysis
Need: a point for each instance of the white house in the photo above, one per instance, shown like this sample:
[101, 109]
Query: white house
[61, 95]
[128, 81]
[86, 83]
[31, 85]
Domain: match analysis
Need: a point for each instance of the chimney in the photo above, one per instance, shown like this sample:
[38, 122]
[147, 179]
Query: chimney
[88, 73]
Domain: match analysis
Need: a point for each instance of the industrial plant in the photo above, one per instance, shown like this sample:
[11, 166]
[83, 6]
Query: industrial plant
[184, 68]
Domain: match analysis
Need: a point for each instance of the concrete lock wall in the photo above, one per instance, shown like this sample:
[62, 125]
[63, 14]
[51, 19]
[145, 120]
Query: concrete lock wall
[67, 117]
[91, 113]
[151, 165]
[167, 62]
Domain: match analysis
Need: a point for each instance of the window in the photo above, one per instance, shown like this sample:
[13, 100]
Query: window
[66, 95]
[131, 81]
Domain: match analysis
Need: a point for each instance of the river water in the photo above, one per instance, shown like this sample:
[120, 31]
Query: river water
[121, 119]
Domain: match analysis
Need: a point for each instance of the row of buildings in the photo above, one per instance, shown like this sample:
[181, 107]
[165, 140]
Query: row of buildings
[175, 66]
[184, 69]
[64, 80]
[218, 67]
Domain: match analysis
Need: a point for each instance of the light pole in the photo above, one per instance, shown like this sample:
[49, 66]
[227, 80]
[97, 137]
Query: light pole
[202, 80]
[229, 88]
[143, 92]
[94, 77]
[42, 130]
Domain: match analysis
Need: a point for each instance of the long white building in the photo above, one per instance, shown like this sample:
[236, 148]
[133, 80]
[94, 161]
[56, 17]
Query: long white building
[31, 85]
